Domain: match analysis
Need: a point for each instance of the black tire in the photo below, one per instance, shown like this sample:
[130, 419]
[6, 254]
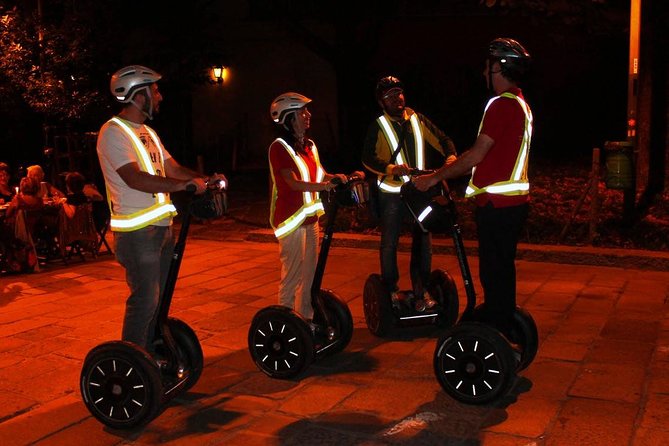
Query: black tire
[340, 319]
[280, 342]
[474, 363]
[190, 350]
[443, 289]
[377, 306]
[524, 333]
[120, 384]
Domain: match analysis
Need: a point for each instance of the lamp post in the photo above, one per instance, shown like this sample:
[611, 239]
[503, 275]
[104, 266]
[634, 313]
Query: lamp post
[629, 194]
[219, 73]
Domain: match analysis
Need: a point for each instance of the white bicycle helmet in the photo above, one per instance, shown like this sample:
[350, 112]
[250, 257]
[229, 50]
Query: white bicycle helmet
[129, 80]
[285, 104]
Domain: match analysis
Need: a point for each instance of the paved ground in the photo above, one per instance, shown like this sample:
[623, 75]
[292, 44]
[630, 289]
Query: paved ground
[601, 376]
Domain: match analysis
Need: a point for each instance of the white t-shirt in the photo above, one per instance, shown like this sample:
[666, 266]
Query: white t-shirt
[115, 149]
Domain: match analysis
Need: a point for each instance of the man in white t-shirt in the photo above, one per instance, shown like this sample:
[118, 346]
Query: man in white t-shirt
[139, 175]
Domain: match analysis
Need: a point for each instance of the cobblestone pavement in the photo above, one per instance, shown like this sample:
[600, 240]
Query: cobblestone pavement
[601, 376]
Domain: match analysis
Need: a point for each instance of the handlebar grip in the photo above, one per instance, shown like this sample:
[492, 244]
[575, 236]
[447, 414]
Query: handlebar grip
[336, 180]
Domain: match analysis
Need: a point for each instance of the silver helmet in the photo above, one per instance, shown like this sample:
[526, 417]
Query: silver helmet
[129, 80]
[286, 104]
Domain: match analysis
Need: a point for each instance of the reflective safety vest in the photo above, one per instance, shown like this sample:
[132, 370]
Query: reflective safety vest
[517, 184]
[311, 202]
[387, 183]
[162, 206]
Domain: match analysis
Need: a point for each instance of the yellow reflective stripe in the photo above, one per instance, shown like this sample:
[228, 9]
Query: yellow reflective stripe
[293, 222]
[418, 138]
[308, 197]
[501, 188]
[388, 188]
[391, 137]
[143, 218]
[143, 155]
[520, 168]
[320, 173]
[161, 196]
[517, 184]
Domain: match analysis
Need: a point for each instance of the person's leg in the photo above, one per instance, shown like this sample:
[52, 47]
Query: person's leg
[291, 249]
[310, 260]
[498, 232]
[391, 225]
[142, 253]
[421, 260]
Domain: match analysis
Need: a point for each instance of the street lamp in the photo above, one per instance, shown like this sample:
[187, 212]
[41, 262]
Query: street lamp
[219, 73]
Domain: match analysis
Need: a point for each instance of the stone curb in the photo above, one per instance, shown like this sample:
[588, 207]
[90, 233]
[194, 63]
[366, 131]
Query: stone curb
[576, 255]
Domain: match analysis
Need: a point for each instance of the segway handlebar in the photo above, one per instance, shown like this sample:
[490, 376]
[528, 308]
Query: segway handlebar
[419, 172]
[212, 184]
[349, 178]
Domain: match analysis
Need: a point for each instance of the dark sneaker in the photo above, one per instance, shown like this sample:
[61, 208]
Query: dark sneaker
[399, 298]
[419, 305]
[429, 301]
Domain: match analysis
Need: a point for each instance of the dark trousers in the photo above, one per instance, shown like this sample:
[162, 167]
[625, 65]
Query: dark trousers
[393, 213]
[498, 230]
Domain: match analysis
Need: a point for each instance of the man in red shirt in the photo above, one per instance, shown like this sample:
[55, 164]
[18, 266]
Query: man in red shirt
[498, 163]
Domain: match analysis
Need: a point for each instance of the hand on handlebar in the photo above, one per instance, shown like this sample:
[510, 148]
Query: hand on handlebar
[217, 181]
[424, 182]
[196, 185]
[357, 175]
[400, 169]
[338, 178]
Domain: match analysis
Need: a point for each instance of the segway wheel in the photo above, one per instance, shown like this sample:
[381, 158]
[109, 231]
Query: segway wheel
[120, 384]
[524, 333]
[474, 363]
[280, 342]
[442, 288]
[190, 351]
[377, 306]
[340, 320]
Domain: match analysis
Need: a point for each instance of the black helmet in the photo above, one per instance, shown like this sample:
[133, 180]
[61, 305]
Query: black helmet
[513, 58]
[386, 84]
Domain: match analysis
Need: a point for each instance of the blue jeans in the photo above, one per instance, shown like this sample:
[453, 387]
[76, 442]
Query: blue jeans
[146, 255]
[393, 213]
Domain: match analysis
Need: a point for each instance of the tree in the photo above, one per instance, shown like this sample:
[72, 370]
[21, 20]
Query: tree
[47, 64]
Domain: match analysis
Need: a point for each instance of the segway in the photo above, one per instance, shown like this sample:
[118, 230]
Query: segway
[282, 343]
[122, 384]
[474, 361]
[381, 313]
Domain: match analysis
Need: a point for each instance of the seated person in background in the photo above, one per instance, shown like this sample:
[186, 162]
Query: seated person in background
[6, 191]
[27, 198]
[46, 189]
[78, 192]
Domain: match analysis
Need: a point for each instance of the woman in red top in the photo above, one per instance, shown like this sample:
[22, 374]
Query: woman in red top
[297, 179]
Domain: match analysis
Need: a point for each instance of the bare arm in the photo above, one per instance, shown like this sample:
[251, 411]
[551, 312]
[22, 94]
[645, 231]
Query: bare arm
[462, 165]
[176, 170]
[305, 186]
[145, 182]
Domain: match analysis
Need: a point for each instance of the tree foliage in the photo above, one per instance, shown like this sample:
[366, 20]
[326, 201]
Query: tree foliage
[596, 16]
[46, 63]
